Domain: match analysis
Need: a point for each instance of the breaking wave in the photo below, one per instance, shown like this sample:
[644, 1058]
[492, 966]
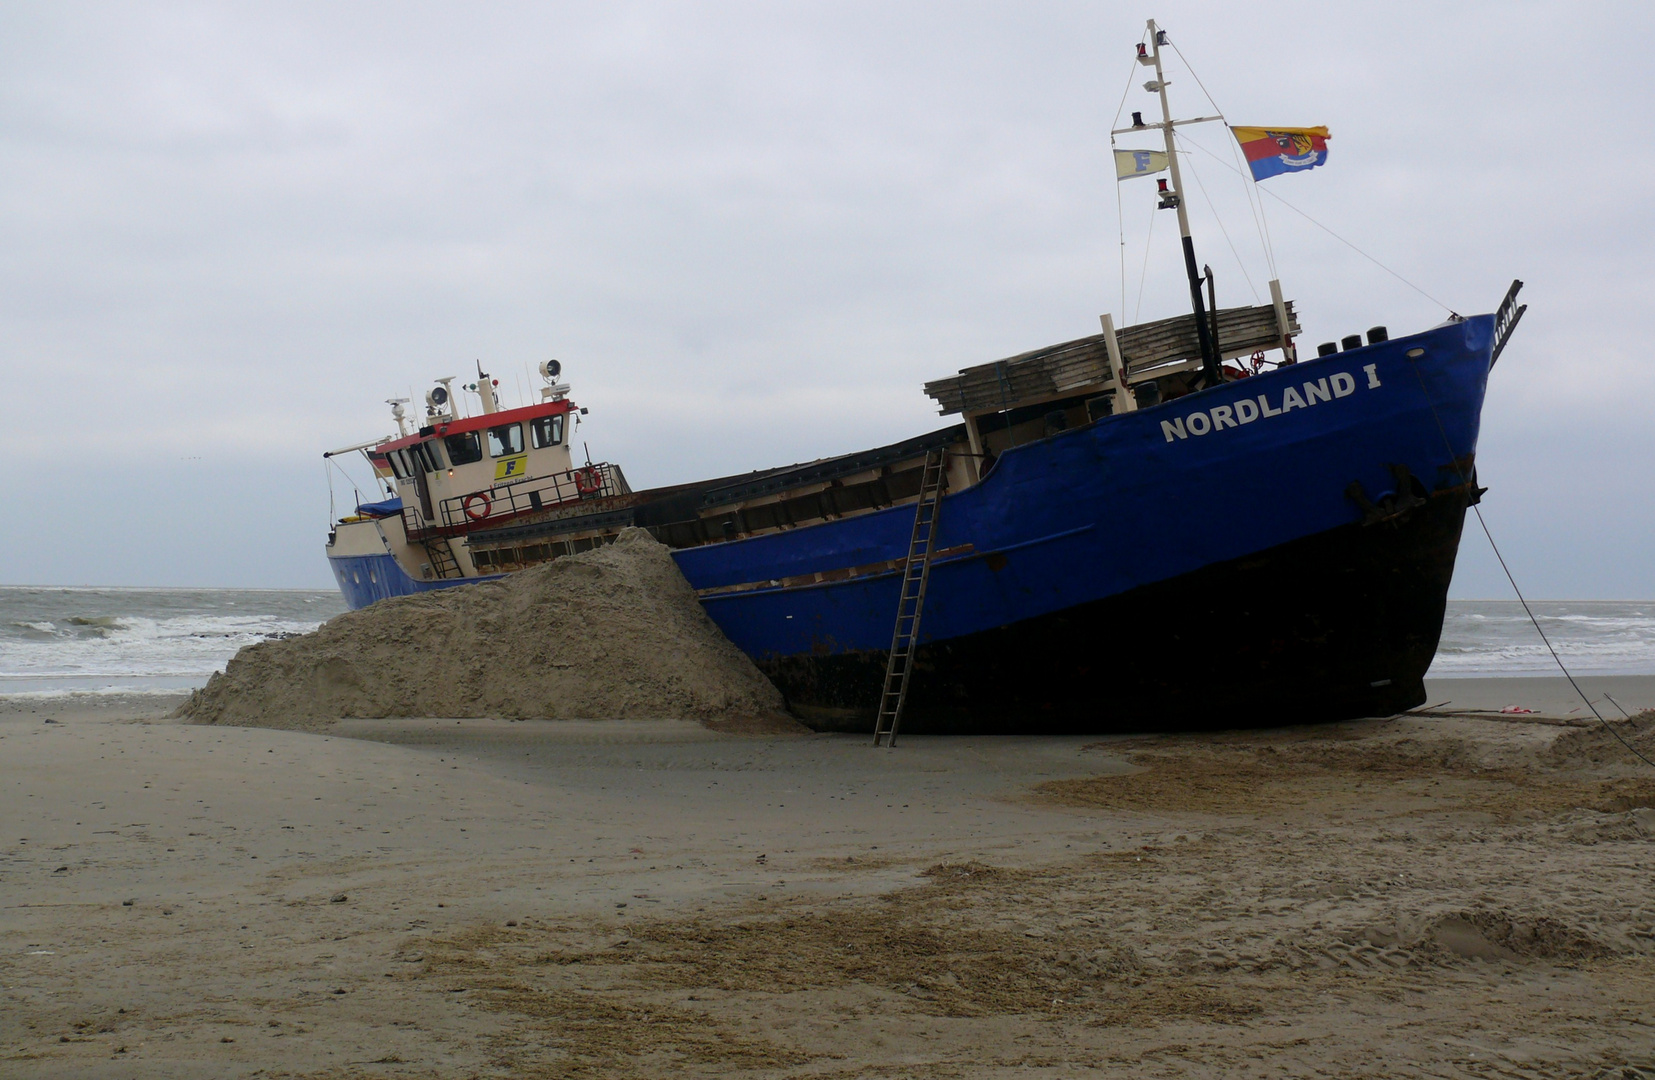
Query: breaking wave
[1594, 637]
[136, 640]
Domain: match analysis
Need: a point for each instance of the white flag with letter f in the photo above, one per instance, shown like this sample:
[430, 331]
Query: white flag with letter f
[1130, 163]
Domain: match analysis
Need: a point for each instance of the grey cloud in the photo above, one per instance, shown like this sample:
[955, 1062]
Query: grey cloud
[752, 230]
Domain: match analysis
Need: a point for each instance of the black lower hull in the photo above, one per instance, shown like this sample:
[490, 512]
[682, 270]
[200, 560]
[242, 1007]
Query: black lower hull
[1335, 626]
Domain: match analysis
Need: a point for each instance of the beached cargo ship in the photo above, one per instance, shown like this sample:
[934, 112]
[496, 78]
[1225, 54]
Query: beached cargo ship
[1173, 524]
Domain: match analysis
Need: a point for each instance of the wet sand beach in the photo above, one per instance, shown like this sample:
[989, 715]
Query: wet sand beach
[1549, 695]
[1438, 896]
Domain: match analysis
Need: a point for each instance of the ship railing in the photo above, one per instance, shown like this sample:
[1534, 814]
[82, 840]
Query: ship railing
[497, 503]
[413, 526]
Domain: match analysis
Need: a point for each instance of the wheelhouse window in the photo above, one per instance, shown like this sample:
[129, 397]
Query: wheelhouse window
[505, 440]
[420, 457]
[398, 468]
[546, 431]
[463, 448]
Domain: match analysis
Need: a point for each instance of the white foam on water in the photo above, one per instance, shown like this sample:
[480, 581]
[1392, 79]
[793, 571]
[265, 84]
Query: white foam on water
[109, 641]
[63, 641]
[55, 689]
[135, 645]
[1593, 637]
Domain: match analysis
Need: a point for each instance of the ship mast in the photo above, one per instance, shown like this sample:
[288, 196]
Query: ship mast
[1175, 198]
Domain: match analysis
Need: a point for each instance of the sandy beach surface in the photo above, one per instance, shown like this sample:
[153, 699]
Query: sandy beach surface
[1453, 895]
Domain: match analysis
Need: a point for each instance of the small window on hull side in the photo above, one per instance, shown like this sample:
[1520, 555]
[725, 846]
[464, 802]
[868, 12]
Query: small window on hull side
[463, 448]
[547, 431]
[505, 440]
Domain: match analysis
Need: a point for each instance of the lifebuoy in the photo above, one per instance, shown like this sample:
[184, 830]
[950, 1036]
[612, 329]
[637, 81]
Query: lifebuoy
[471, 511]
[588, 481]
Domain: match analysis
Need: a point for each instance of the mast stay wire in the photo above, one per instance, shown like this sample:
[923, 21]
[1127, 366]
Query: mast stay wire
[1120, 226]
[1120, 213]
[1330, 232]
[1143, 275]
[333, 463]
[1260, 221]
[1214, 208]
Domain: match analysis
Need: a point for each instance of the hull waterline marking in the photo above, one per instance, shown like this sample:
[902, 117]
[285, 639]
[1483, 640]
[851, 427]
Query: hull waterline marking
[1246, 410]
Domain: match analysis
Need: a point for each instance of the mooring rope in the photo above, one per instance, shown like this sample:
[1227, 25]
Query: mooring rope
[1512, 578]
[1269, 258]
[1560, 665]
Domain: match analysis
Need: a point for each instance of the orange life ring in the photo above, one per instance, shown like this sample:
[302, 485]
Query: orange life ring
[588, 481]
[471, 512]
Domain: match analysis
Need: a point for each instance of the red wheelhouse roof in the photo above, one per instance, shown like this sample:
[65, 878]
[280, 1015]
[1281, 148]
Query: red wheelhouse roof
[478, 423]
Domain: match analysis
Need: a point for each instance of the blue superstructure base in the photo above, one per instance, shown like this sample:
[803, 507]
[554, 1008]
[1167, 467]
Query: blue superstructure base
[364, 579]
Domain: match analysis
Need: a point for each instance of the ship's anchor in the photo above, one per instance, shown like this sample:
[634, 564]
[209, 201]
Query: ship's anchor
[1392, 506]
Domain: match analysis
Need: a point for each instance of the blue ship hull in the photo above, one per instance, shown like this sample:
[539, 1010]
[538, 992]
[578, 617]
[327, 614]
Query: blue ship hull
[1163, 523]
[1277, 548]
[363, 579]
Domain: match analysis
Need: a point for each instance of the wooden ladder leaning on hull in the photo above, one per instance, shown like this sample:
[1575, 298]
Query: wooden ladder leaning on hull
[916, 575]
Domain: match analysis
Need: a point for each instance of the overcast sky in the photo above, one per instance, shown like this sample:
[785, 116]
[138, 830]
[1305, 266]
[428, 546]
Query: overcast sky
[751, 232]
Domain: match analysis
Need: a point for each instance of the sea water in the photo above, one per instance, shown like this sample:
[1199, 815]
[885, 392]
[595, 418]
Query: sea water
[1592, 637]
[56, 641]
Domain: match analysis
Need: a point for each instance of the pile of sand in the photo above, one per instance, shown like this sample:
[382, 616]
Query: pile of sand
[613, 633]
[1597, 745]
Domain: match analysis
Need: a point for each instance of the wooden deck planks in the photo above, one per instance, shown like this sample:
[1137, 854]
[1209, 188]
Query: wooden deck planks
[1072, 365]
